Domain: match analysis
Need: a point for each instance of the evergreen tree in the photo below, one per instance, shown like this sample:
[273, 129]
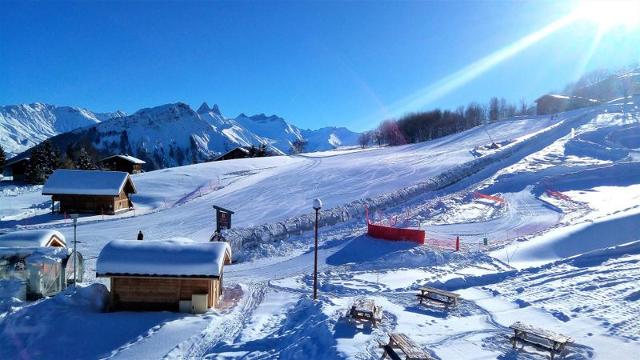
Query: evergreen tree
[44, 160]
[252, 151]
[3, 159]
[84, 161]
[262, 151]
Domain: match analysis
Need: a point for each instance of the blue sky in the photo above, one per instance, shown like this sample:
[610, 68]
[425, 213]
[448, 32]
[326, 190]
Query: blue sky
[314, 63]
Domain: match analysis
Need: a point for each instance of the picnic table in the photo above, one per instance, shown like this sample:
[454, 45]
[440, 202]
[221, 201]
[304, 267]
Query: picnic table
[430, 294]
[365, 310]
[545, 339]
[406, 346]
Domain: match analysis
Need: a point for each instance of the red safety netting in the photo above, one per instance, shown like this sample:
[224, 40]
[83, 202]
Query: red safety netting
[479, 195]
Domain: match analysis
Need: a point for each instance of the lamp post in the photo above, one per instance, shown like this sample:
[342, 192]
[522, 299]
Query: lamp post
[317, 205]
[75, 254]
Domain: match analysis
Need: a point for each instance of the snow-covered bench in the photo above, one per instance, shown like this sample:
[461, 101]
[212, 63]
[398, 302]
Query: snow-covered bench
[539, 338]
[429, 294]
[407, 347]
[365, 310]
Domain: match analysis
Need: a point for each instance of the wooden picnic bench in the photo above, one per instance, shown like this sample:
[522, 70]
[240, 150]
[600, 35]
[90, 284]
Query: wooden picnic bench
[406, 346]
[365, 310]
[539, 338]
[438, 296]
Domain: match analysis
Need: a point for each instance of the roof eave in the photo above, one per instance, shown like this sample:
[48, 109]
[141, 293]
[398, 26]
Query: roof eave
[157, 276]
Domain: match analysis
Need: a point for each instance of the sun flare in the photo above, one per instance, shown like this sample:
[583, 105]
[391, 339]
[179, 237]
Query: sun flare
[612, 13]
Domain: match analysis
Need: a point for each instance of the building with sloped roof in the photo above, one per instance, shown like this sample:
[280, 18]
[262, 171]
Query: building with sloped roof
[93, 191]
[173, 274]
[126, 163]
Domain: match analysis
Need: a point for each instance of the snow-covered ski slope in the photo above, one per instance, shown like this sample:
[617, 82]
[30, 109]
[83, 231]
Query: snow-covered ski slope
[562, 250]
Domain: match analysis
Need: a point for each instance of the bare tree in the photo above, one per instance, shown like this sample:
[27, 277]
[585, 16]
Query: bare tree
[364, 139]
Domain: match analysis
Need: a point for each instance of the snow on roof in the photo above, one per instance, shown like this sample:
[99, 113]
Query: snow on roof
[15, 160]
[36, 254]
[176, 257]
[86, 182]
[30, 238]
[241, 148]
[128, 158]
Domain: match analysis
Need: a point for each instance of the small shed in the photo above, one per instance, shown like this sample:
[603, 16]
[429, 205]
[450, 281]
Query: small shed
[33, 238]
[17, 168]
[126, 163]
[100, 192]
[174, 274]
[239, 152]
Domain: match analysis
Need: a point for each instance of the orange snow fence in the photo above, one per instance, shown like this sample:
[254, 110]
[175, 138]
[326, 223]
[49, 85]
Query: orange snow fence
[395, 234]
[497, 199]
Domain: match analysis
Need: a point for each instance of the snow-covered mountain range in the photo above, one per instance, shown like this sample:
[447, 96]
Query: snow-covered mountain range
[23, 126]
[175, 134]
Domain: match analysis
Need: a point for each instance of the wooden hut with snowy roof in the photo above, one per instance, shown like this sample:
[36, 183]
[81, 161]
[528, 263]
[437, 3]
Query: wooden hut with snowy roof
[175, 274]
[33, 238]
[126, 163]
[100, 192]
[16, 168]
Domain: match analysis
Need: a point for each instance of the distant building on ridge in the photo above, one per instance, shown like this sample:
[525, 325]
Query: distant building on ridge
[126, 163]
[552, 104]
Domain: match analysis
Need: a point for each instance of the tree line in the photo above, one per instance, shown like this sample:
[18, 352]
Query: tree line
[428, 125]
[44, 158]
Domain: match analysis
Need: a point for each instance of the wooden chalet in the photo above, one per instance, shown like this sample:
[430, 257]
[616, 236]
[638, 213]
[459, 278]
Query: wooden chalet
[126, 163]
[551, 104]
[17, 168]
[99, 192]
[33, 238]
[175, 274]
[239, 152]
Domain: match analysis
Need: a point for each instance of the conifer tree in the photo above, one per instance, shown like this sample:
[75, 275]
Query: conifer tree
[3, 159]
[44, 160]
[84, 161]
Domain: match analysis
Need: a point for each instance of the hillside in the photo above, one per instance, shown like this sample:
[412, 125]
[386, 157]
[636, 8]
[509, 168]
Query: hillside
[174, 135]
[562, 247]
[23, 126]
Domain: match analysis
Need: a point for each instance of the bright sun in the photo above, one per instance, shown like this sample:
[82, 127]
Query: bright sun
[610, 13]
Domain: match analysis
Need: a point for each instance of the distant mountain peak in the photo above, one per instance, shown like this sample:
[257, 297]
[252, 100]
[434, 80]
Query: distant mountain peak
[204, 108]
[216, 110]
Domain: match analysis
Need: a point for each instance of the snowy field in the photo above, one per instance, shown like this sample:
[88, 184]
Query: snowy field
[557, 205]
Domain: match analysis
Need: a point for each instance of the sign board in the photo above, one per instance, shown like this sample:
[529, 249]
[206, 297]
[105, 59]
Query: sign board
[223, 218]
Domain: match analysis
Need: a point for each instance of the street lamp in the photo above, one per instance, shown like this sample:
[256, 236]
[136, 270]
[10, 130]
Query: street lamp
[75, 254]
[317, 205]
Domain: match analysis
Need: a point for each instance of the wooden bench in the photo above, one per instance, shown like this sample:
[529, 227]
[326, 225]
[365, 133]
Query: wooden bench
[539, 338]
[406, 346]
[365, 310]
[429, 294]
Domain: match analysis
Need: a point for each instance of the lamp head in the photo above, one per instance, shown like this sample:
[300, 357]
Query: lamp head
[317, 204]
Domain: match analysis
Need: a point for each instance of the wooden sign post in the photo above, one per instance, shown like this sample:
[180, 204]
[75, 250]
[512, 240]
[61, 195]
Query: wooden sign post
[223, 218]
